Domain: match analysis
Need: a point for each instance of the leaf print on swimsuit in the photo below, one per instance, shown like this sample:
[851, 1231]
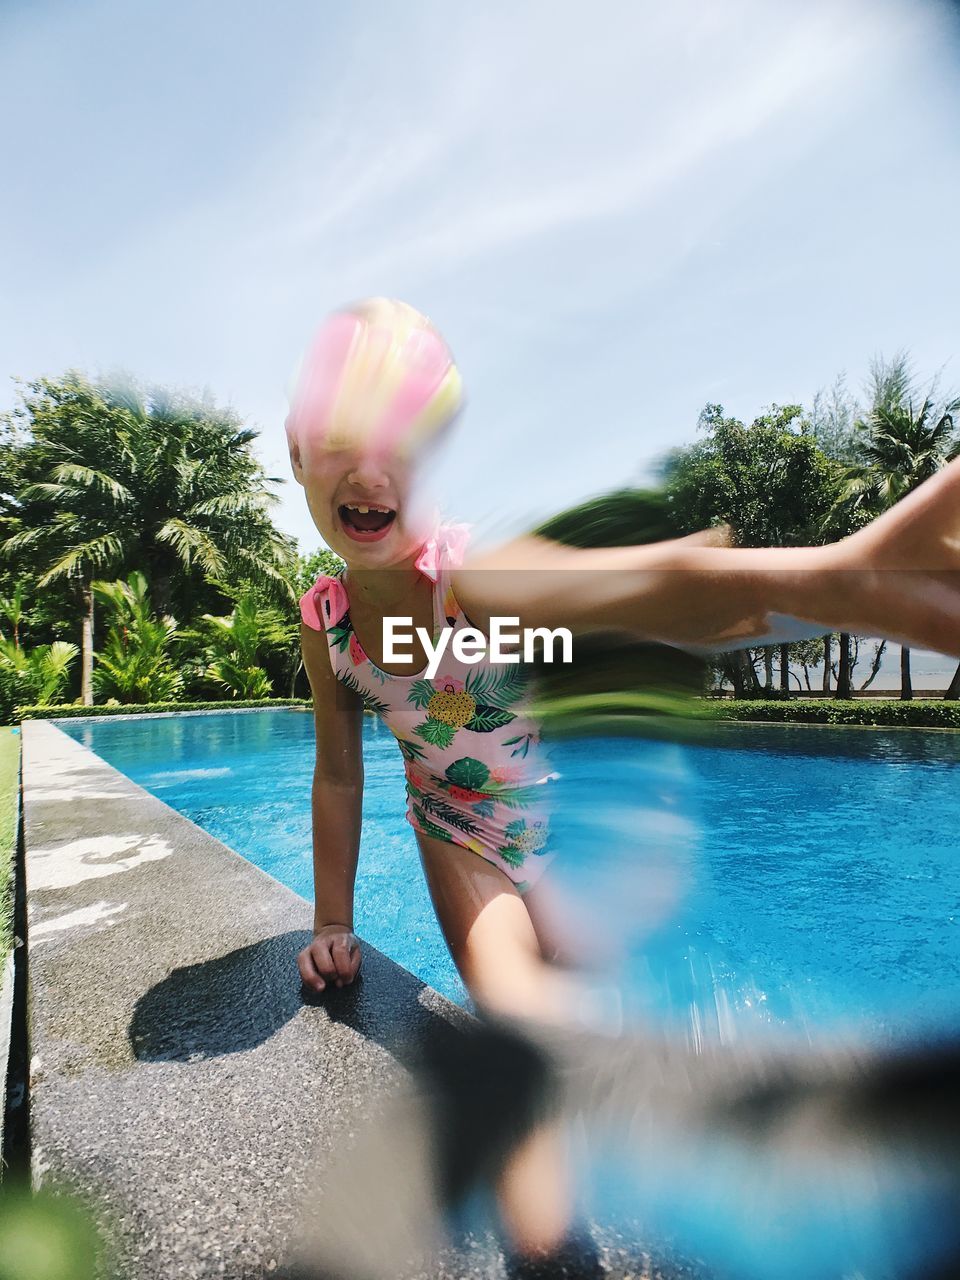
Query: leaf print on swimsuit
[429, 828]
[341, 633]
[492, 692]
[499, 686]
[410, 750]
[468, 772]
[371, 703]
[437, 808]
[436, 733]
[474, 778]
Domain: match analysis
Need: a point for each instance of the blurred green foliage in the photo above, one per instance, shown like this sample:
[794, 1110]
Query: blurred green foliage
[46, 1236]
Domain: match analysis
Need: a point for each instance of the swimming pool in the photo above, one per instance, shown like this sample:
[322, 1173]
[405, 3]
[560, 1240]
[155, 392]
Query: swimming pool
[820, 868]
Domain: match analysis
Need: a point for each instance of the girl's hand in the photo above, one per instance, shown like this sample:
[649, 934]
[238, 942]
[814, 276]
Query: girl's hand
[901, 574]
[332, 958]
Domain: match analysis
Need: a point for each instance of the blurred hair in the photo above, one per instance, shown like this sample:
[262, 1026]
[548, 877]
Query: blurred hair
[377, 375]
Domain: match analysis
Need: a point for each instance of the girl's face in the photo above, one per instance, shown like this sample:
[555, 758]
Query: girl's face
[360, 504]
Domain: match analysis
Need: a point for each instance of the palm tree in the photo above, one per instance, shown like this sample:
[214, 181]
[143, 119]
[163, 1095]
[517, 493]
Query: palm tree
[70, 503]
[237, 642]
[12, 609]
[135, 664]
[209, 500]
[37, 676]
[114, 479]
[901, 447]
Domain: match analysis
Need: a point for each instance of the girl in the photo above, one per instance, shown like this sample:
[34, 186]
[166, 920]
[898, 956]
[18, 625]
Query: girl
[376, 387]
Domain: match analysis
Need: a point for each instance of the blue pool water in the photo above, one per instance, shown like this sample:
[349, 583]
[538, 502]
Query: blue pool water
[819, 876]
[807, 879]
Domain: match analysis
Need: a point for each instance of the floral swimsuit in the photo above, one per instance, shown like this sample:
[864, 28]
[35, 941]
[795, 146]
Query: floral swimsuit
[475, 772]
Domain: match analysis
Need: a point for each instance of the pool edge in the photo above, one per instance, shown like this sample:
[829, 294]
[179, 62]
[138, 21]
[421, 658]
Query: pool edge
[148, 914]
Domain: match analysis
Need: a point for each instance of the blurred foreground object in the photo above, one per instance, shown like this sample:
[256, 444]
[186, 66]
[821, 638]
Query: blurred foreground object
[46, 1236]
[781, 1161]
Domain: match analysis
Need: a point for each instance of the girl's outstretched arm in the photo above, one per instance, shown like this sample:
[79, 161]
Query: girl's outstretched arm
[898, 578]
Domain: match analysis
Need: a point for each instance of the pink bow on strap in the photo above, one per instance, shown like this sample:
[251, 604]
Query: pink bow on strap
[444, 550]
[324, 604]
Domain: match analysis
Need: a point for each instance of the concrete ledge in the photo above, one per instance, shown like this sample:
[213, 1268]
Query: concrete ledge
[179, 1081]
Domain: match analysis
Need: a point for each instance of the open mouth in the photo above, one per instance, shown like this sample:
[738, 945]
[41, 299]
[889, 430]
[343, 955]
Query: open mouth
[366, 522]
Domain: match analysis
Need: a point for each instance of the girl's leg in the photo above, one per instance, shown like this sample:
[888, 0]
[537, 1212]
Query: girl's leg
[491, 935]
[495, 948]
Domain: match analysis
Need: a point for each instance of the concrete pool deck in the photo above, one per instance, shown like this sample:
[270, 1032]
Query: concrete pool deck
[179, 1082]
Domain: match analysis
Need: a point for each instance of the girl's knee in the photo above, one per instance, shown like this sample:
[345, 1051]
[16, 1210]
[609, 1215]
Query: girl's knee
[509, 981]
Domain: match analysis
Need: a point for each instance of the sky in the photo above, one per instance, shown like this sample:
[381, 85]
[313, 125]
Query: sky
[614, 213]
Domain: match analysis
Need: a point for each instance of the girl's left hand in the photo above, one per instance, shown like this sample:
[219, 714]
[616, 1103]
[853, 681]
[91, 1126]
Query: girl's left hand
[332, 958]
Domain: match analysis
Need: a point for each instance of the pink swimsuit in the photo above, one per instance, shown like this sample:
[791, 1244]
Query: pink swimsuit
[474, 769]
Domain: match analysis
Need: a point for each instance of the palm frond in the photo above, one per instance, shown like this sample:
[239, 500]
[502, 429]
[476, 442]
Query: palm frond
[91, 555]
[90, 478]
[193, 544]
[50, 491]
[236, 502]
[25, 539]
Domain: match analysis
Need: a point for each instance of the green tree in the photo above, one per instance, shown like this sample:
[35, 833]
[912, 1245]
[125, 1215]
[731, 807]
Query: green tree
[770, 481]
[309, 568]
[904, 440]
[832, 421]
[111, 478]
[64, 513]
[11, 607]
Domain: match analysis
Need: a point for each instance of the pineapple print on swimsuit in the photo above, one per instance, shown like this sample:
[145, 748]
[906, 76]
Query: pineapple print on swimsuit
[475, 772]
[451, 706]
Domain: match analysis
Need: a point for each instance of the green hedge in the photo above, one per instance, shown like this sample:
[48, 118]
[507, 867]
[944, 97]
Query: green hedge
[880, 712]
[149, 708]
[921, 713]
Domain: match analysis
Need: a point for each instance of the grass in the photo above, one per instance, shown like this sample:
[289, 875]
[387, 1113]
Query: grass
[9, 782]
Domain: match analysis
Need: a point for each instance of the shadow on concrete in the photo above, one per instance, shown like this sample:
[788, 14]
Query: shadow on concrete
[225, 1005]
[393, 1009]
[237, 1001]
